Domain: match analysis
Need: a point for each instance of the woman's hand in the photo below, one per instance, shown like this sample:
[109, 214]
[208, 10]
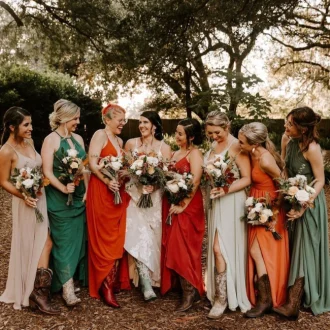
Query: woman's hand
[113, 185]
[148, 189]
[32, 202]
[271, 225]
[123, 174]
[176, 209]
[85, 197]
[293, 215]
[69, 188]
[217, 193]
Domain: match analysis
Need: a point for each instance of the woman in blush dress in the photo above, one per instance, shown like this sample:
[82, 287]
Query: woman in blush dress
[182, 240]
[29, 277]
[106, 220]
[144, 225]
[67, 222]
[268, 258]
[310, 266]
[226, 252]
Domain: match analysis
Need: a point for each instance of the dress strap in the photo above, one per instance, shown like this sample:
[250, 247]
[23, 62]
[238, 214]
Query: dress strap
[59, 135]
[160, 147]
[17, 153]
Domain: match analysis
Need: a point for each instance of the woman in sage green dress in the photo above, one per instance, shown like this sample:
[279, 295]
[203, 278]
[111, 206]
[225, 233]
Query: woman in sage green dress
[67, 222]
[310, 268]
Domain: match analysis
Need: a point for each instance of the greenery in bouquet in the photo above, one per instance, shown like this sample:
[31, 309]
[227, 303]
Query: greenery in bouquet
[29, 181]
[260, 212]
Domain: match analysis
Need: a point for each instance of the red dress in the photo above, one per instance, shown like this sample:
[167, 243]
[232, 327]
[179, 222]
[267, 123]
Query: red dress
[106, 224]
[275, 253]
[182, 241]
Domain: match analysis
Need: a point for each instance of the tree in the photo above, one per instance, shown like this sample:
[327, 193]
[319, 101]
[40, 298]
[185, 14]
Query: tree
[170, 45]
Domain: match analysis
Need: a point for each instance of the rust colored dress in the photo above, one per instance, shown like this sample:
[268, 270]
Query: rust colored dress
[275, 253]
[182, 241]
[106, 224]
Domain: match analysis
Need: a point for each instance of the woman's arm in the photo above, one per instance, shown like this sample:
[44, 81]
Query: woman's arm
[166, 151]
[269, 166]
[284, 142]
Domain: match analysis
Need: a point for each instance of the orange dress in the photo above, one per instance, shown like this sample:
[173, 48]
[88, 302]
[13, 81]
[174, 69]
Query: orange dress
[106, 224]
[275, 253]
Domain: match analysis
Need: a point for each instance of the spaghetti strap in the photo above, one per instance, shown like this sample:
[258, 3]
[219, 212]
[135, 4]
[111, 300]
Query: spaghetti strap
[59, 135]
[12, 147]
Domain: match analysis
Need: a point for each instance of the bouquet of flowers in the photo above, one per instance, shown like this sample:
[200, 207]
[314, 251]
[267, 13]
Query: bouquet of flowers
[71, 169]
[177, 188]
[148, 170]
[260, 213]
[109, 166]
[221, 172]
[297, 192]
[29, 181]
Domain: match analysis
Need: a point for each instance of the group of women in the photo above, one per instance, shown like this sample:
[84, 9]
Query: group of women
[246, 266]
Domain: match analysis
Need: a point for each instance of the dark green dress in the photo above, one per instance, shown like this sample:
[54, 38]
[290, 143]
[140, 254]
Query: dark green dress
[309, 239]
[67, 226]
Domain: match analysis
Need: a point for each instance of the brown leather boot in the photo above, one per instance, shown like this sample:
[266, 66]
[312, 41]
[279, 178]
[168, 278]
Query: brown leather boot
[40, 296]
[264, 299]
[291, 308]
[107, 289]
[190, 295]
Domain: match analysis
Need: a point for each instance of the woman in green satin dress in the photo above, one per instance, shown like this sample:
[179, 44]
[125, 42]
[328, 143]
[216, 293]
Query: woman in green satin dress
[67, 222]
[310, 266]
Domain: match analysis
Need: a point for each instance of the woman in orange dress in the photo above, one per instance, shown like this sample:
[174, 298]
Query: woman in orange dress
[106, 221]
[268, 258]
[182, 240]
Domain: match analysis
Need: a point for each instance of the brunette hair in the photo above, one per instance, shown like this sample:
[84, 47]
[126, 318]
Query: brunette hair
[193, 130]
[14, 116]
[155, 120]
[306, 120]
[257, 133]
[64, 111]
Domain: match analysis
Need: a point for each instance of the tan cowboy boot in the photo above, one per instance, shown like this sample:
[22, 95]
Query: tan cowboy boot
[220, 296]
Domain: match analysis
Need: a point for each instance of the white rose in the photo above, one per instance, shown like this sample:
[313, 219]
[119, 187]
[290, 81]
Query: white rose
[184, 187]
[181, 184]
[249, 202]
[301, 178]
[116, 165]
[165, 168]
[28, 183]
[217, 164]
[138, 163]
[72, 152]
[310, 189]
[64, 160]
[267, 212]
[172, 187]
[293, 181]
[114, 159]
[302, 196]
[138, 172]
[217, 173]
[224, 166]
[258, 207]
[252, 214]
[263, 218]
[293, 190]
[152, 161]
[189, 176]
[74, 165]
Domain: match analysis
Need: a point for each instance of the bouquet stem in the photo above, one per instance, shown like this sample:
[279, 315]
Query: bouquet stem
[145, 201]
[169, 220]
[70, 200]
[117, 198]
[39, 216]
[276, 235]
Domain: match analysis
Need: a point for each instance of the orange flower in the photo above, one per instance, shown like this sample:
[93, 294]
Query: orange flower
[45, 182]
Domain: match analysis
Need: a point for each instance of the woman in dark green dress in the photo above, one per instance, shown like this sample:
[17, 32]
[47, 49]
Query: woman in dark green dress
[67, 222]
[310, 267]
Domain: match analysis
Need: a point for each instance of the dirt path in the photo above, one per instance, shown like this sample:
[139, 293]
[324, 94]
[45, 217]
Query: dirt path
[135, 313]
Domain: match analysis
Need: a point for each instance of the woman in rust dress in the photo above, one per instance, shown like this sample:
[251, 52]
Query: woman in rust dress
[182, 240]
[268, 259]
[106, 220]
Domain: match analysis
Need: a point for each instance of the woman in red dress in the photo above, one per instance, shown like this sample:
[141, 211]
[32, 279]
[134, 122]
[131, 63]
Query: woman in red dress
[268, 259]
[182, 240]
[106, 221]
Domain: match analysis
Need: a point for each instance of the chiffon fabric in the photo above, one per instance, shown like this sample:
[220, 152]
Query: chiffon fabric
[275, 252]
[106, 227]
[182, 241]
[224, 220]
[67, 225]
[309, 240]
[28, 240]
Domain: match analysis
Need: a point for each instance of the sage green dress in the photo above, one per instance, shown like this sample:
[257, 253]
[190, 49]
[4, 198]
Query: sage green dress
[67, 226]
[309, 240]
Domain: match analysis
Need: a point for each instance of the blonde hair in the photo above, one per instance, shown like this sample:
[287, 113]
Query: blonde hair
[64, 111]
[217, 118]
[257, 133]
[111, 110]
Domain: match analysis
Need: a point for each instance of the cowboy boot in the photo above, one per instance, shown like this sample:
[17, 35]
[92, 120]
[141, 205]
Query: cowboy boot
[107, 288]
[145, 280]
[291, 308]
[40, 296]
[69, 294]
[190, 295]
[220, 296]
[264, 298]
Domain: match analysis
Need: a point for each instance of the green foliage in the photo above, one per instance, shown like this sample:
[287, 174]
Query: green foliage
[37, 92]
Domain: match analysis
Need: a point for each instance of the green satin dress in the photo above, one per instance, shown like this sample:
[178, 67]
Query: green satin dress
[67, 226]
[309, 240]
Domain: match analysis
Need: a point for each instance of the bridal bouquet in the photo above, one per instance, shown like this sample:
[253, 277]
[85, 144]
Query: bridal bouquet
[148, 170]
[29, 181]
[177, 188]
[221, 172]
[297, 192]
[260, 213]
[71, 169]
[109, 166]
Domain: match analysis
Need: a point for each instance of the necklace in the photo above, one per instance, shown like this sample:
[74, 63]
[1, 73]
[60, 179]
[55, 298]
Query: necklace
[146, 144]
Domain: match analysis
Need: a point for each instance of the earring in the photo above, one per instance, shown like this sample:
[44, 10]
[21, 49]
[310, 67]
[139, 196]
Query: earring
[253, 150]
